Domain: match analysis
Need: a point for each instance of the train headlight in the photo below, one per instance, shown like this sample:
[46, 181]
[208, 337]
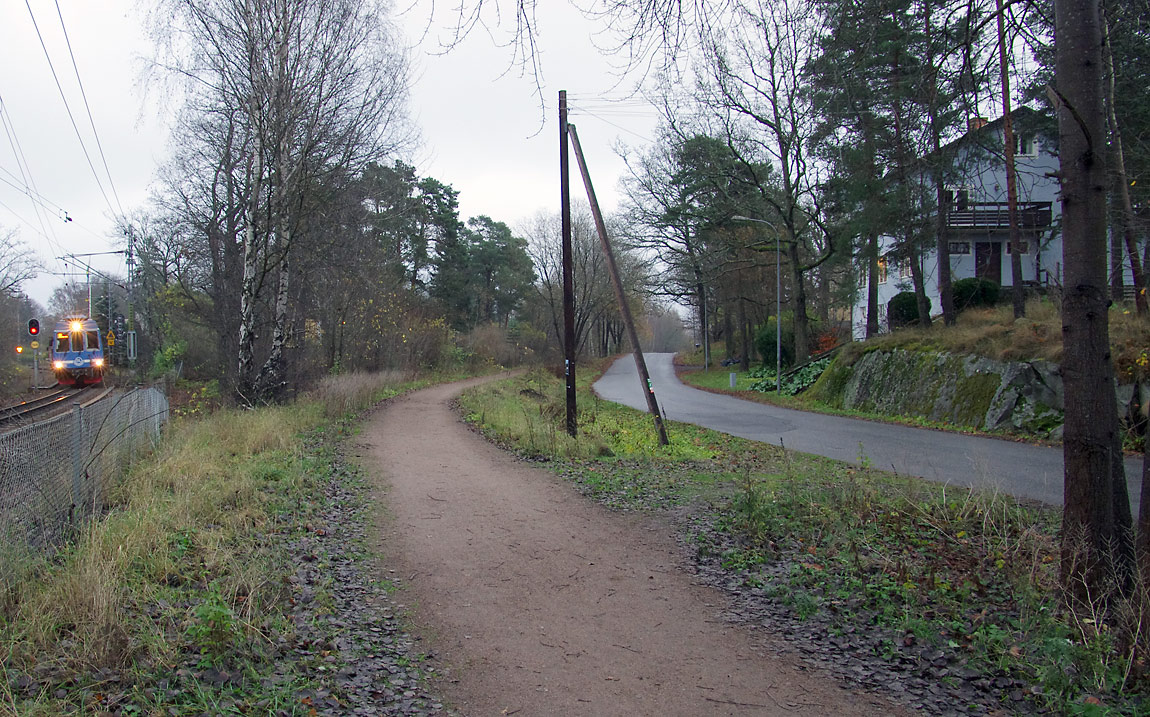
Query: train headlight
[58, 365]
[77, 326]
[98, 362]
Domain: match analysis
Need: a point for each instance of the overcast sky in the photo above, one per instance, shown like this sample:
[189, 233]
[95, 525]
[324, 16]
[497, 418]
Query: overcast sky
[483, 129]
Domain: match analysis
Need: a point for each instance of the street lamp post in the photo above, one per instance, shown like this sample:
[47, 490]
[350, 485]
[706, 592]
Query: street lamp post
[778, 299]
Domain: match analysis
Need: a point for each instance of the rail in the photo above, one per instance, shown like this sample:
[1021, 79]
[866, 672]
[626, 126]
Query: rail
[44, 406]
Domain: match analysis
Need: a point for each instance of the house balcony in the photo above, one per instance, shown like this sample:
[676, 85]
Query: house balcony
[994, 216]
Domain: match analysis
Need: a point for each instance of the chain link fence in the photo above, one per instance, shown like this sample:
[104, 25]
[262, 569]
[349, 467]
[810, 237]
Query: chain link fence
[55, 474]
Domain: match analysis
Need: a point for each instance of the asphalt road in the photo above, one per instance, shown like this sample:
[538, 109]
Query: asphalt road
[1017, 469]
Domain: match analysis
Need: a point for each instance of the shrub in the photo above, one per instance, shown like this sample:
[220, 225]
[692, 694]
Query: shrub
[765, 339]
[973, 292]
[902, 310]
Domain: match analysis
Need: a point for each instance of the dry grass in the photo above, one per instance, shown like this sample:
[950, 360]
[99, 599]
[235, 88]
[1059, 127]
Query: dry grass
[353, 392]
[192, 511]
[190, 514]
[995, 333]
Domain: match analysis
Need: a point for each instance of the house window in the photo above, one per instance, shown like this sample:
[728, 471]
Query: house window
[958, 198]
[882, 270]
[1024, 145]
[960, 247]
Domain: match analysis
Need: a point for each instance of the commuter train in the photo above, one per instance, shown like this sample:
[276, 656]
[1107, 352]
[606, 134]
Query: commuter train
[77, 351]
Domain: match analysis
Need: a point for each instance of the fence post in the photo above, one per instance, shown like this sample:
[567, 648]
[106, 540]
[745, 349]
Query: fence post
[77, 457]
[133, 396]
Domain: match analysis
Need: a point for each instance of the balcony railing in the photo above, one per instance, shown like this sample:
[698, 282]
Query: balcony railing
[1032, 216]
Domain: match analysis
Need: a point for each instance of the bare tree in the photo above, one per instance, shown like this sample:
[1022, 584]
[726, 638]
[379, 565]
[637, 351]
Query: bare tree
[755, 86]
[594, 295]
[306, 92]
[18, 262]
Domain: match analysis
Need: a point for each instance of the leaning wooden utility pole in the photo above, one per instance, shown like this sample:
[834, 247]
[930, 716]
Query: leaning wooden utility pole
[568, 280]
[624, 309]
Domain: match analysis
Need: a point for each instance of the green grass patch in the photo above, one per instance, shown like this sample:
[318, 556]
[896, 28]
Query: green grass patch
[719, 379]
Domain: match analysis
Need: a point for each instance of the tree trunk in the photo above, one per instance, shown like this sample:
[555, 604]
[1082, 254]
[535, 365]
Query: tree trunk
[727, 332]
[942, 236]
[1143, 547]
[1117, 248]
[1095, 530]
[1127, 208]
[703, 328]
[945, 286]
[271, 381]
[872, 307]
[1017, 291]
[920, 299]
[824, 297]
[246, 348]
[910, 245]
[799, 307]
[744, 353]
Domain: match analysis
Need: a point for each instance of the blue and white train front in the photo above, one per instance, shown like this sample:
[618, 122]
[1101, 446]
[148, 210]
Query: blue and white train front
[77, 352]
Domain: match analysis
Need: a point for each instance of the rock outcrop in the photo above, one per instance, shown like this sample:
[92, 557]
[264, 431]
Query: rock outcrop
[965, 390]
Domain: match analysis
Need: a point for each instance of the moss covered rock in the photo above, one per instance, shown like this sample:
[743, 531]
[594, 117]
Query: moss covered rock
[960, 389]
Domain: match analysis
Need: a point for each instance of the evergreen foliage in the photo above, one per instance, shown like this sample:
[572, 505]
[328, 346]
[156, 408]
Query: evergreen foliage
[972, 292]
[902, 309]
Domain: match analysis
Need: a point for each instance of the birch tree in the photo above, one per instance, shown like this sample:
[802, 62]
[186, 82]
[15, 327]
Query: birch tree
[312, 91]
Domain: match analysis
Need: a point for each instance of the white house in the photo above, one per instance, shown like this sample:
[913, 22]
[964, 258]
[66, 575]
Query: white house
[978, 223]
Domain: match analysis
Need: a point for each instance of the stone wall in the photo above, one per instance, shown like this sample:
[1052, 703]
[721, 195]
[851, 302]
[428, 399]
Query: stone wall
[963, 390]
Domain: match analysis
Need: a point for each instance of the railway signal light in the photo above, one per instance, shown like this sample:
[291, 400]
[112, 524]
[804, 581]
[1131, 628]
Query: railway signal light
[33, 327]
[19, 349]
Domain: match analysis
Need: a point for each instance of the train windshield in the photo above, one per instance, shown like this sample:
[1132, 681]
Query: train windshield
[77, 341]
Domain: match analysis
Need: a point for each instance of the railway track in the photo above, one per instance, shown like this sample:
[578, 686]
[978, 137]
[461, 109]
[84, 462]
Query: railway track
[45, 406]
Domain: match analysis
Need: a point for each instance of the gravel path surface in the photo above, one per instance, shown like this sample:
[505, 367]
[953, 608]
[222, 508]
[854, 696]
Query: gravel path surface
[537, 601]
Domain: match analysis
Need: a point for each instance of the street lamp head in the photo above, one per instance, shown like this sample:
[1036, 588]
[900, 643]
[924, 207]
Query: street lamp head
[741, 218]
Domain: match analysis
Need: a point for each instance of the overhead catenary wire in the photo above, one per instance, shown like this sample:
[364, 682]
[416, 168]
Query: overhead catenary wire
[33, 194]
[68, 108]
[26, 174]
[45, 202]
[88, 109]
[55, 247]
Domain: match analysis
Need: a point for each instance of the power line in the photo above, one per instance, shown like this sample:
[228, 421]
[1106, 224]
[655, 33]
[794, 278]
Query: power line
[68, 107]
[613, 124]
[34, 195]
[46, 203]
[55, 247]
[25, 173]
[88, 108]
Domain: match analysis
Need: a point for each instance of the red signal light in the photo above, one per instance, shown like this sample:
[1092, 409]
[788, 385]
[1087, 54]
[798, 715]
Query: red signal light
[33, 327]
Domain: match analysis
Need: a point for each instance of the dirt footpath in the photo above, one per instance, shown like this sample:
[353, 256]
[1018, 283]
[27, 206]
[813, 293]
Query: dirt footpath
[540, 602]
